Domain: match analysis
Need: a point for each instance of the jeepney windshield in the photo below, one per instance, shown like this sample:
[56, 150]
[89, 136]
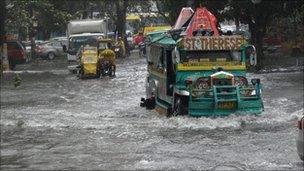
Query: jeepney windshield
[210, 56]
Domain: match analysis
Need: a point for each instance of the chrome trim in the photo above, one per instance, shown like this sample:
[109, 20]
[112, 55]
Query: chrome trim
[182, 92]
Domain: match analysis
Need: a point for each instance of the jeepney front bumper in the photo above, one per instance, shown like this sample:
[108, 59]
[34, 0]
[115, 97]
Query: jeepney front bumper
[225, 100]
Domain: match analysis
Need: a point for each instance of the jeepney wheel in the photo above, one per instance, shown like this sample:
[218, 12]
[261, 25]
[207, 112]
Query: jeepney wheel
[150, 103]
[179, 107]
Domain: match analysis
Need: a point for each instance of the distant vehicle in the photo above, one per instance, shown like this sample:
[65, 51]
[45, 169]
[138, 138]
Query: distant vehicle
[39, 42]
[81, 33]
[16, 53]
[129, 35]
[49, 50]
[61, 40]
[272, 45]
[111, 35]
[300, 139]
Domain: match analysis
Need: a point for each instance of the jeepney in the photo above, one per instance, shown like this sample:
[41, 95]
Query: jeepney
[201, 76]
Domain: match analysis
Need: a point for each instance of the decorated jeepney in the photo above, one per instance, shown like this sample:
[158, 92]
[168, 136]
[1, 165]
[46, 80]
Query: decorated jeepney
[200, 74]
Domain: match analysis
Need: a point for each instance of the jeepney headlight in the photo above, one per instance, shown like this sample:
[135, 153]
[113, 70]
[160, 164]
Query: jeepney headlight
[240, 81]
[202, 83]
[253, 93]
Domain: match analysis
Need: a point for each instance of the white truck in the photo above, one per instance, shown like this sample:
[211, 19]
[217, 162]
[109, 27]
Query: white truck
[83, 32]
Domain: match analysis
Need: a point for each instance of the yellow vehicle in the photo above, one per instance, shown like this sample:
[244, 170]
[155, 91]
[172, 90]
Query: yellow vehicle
[120, 48]
[88, 62]
[106, 55]
[97, 60]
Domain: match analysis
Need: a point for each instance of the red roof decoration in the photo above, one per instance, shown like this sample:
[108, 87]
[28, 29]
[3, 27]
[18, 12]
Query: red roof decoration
[202, 19]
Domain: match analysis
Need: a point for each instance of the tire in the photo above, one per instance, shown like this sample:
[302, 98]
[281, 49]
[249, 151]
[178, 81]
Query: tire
[179, 107]
[150, 103]
[81, 73]
[51, 55]
[103, 70]
[111, 71]
[12, 65]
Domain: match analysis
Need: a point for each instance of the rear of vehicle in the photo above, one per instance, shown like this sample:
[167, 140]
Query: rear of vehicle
[300, 138]
[89, 62]
[16, 53]
[81, 32]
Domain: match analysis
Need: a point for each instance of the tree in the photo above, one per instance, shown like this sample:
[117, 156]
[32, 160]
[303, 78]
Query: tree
[168, 11]
[259, 16]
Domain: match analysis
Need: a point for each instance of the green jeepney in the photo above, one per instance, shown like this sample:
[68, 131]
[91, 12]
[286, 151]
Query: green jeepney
[201, 76]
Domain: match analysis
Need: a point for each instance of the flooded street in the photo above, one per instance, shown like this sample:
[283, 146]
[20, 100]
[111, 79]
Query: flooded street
[56, 121]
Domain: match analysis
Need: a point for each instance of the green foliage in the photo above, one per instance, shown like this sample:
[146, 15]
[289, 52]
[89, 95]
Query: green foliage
[50, 14]
[17, 80]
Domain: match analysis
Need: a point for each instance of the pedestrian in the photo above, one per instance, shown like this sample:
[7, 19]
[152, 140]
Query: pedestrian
[127, 46]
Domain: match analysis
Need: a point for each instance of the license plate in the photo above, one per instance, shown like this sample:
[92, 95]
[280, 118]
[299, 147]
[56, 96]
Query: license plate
[227, 105]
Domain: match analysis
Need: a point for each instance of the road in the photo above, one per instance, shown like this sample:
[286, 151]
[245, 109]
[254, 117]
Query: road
[56, 121]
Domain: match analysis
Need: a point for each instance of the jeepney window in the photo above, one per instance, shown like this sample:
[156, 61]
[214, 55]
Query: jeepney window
[162, 63]
[211, 56]
[155, 55]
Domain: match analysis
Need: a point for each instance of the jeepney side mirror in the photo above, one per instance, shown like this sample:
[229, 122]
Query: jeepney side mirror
[176, 33]
[175, 56]
[251, 54]
[64, 48]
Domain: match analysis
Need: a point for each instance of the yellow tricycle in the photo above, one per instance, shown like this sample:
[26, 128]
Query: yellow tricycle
[89, 62]
[106, 55]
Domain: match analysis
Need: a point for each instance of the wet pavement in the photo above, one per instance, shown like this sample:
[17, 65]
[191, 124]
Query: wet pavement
[56, 121]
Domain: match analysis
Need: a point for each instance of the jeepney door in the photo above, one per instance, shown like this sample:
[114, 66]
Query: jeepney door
[170, 73]
[162, 71]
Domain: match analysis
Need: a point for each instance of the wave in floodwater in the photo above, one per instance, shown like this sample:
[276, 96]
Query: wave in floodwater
[55, 72]
[84, 108]
[109, 119]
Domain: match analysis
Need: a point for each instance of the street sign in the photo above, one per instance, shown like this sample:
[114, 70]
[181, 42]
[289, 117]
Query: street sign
[213, 43]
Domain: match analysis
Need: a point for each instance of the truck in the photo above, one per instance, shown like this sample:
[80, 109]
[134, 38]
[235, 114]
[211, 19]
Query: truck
[81, 33]
[196, 71]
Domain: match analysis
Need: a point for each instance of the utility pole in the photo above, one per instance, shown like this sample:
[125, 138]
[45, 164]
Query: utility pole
[3, 46]
[32, 32]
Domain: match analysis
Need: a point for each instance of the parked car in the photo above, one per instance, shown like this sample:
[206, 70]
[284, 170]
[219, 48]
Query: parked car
[15, 53]
[300, 139]
[272, 45]
[61, 40]
[49, 50]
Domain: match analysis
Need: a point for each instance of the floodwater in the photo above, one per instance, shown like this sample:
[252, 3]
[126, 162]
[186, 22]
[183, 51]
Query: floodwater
[56, 121]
